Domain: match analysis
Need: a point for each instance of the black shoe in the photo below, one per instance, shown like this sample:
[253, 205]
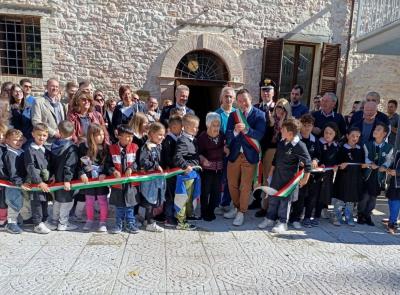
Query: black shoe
[209, 217]
[261, 213]
[368, 220]
[361, 219]
[193, 218]
[256, 204]
[28, 221]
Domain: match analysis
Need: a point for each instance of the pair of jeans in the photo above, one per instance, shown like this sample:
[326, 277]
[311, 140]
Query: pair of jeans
[102, 200]
[279, 208]
[61, 212]
[39, 211]
[394, 210]
[124, 214]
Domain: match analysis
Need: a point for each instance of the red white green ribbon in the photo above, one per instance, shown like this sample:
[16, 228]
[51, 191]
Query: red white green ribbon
[240, 118]
[108, 181]
[286, 190]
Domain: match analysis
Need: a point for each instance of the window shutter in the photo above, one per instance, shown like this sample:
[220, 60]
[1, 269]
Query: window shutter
[272, 62]
[330, 59]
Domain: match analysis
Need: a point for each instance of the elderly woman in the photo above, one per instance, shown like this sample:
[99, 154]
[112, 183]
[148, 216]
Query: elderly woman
[211, 151]
[153, 112]
[83, 114]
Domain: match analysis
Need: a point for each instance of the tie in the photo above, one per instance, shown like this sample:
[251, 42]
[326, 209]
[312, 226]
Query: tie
[245, 114]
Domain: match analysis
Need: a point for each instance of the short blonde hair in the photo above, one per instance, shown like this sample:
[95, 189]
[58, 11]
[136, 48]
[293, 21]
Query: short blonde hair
[190, 119]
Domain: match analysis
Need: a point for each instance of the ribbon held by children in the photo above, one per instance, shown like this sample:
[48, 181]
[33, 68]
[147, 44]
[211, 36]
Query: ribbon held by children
[286, 190]
[93, 183]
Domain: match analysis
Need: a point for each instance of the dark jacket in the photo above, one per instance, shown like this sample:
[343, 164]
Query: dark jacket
[168, 152]
[14, 166]
[150, 157]
[321, 120]
[266, 141]
[166, 111]
[358, 116]
[287, 160]
[186, 152]
[97, 164]
[120, 118]
[257, 123]
[64, 164]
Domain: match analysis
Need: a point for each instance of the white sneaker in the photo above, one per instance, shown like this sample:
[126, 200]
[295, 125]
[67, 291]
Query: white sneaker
[102, 227]
[221, 210]
[266, 223]
[154, 228]
[231, 214]
[88, 225]
[297, 225]
[66, 227]
[239, 219]
[280, 228]
[41, 228]
[50, 225]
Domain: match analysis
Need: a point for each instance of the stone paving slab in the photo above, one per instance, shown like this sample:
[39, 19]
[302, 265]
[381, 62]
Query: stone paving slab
[215, 259]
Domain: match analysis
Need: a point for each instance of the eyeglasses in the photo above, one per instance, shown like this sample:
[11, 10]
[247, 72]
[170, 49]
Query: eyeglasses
[28, 86]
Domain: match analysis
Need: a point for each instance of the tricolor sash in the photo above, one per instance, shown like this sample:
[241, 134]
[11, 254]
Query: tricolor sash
[240, 118]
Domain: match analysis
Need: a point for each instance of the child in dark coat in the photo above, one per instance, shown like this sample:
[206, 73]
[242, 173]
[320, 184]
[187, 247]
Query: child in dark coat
[93, 154]
[290, 152]
[378, 156]
[152, 193]
[121, 161]
[37, 159]
[14, 171]
[167, 162]
[64, 164]
[348, 184]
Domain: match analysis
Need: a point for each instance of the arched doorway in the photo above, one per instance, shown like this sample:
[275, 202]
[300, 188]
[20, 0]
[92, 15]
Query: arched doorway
[205, 74]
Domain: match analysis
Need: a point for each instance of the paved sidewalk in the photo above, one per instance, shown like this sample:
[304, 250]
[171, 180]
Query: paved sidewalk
[216, 259]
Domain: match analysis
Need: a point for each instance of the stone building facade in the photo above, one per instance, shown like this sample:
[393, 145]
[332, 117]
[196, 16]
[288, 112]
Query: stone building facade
[141, 42]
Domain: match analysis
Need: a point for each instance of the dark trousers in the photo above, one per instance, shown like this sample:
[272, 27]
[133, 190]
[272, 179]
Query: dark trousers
[148, 207]
[367, 204]
[169, 206]
[210, 192]
[226, 197]
[39, 211]
[298, 207]
[278, 208]
[312, 199]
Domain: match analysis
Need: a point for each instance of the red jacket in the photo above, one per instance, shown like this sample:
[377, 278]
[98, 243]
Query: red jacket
[95, 117]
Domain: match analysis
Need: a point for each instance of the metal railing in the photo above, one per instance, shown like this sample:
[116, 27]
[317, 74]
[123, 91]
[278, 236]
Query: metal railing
[374, 15]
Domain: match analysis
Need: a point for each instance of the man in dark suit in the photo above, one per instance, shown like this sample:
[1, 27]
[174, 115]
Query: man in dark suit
[181, 98]
[371, 96]
[245, 129]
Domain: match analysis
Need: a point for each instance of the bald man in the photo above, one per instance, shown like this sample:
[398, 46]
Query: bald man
[368, 122]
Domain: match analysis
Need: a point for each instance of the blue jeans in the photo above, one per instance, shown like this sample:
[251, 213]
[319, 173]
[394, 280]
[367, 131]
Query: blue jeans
[124, 214]
[226, 198]
[394, 210]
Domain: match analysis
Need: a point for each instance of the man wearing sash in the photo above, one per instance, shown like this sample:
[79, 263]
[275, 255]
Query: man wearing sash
[245, 128]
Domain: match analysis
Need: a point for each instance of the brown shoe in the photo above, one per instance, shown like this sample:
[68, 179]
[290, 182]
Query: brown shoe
[391, 229]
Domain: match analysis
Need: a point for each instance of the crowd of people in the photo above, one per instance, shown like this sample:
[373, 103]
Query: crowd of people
[344, 161]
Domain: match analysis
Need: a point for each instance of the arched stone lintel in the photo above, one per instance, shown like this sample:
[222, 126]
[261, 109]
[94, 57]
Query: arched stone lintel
[210, 42]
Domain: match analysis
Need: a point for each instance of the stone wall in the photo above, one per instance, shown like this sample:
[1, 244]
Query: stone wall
[114, 42]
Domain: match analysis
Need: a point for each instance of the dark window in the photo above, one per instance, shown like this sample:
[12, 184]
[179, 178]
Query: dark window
[20, 46]
[297, 68]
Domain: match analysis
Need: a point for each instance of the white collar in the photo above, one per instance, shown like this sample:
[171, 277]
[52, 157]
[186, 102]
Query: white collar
[178, 106]
[379, 145]
[323, 141]
[294, 141]
[332, 114]
[37, 147]
[17, 152]
[174, 137]
[191, 137]
[347, 146]
[311, 138]
[150, 145]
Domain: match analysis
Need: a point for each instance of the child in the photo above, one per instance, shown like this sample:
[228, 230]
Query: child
[3, 205]
[378, 155]
[393, 194]
[64, 162]
[211, 151]
[152, 193]
[167, 160]
[188, 185]
[323, 181]
[121, 161]
[140, 125]
[14, 171]
[307, 191]
[348, 182]
[36, 162]
[92, 154]
[289, 154]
